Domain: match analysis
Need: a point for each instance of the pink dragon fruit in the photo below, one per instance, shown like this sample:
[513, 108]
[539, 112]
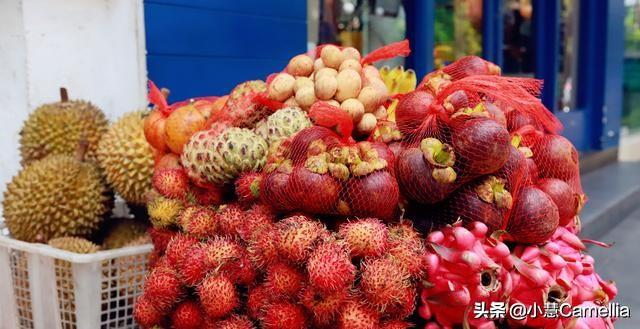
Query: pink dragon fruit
[557, 272]
[464, 267]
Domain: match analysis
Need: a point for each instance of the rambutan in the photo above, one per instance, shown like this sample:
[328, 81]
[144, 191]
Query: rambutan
[323, 307]
[383, 282]
[330, 268]
[230, 219]
[283, 280]
[192, 268]
[160, 237]
[404, 307]
[171, 182]
[201, 223]
[187, 315]
[248, 187]
[255, 219]
[297, 236]
[163, 212]
[364, 237]
[218, 295]
[236, 322]
[163, 288]
[283, 315]
[220, 251]
[356, 315]
[178, 247]
[241, 270]
[406, 247]
[257, 298]
[206, 196]
[145, 313]
[262, 246]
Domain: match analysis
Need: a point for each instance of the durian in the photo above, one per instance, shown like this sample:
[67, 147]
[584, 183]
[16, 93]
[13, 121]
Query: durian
[54, 197]
[121, 232]
[221, 157]
[164, 212]
[74, 244]
[57, 128]
[282, 124]
[126, 158]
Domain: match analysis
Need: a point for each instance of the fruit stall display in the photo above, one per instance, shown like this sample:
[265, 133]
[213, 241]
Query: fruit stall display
[337, 195]
[71, 255]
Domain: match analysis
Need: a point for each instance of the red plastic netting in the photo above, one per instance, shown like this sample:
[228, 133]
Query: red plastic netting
[479, 146]
[322, 170]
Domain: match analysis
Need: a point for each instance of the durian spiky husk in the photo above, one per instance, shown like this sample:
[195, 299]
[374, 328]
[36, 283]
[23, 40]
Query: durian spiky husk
[54, 197]
[74, 244]
[57, 128]
[126, 158]
[122, 231]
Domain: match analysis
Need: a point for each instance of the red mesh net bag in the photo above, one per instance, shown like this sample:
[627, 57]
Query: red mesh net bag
[479, 146]
[322, 170]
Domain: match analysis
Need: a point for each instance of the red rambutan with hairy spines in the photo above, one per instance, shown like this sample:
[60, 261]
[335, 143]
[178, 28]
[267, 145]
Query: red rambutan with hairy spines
[407, 248]
[262, 246]
[257, 298]
[160, 237]
[236, 322]
[330, 268]
[163, 288]
[256, 218]
[396, 324]
[178, 246]
[220, 251]
[218, 295]
[283, 280]
[404, 307]
[297, 235]
[206, 196]
[171, 182]
[323, 307]
[201, 223]
[364, 237]
[241, 270]
[356, 315]
[231, 219]
[383, 282]
[193, 268]
[145, 313]
[283, 315]
[248, 187]
[187, 315]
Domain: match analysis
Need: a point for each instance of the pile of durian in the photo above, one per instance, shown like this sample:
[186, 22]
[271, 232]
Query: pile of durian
[74, 164]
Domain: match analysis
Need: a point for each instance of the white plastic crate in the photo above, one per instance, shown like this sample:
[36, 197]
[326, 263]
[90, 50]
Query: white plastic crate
[46, 288]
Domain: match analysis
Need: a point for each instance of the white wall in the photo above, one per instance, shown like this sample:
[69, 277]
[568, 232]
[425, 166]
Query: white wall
[95, 48]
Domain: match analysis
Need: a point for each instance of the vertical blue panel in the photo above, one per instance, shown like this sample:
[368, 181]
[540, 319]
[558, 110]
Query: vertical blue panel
[420, 23]
[492, 31]
[591, 70]
[199, 47]
[614, 63]
[546, 27]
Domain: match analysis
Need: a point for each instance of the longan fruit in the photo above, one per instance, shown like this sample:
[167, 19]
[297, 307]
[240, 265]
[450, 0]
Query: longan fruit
[281, 87]
[318, 64]
[370, 98]
[354, 108]
[306, 96]
[367, 124]
[302, 82]
[350, 64]
[380, 113]
[325, 87]
[301, 65]
[349, 85]
[327, 71]
[331, 56]
[351, 53]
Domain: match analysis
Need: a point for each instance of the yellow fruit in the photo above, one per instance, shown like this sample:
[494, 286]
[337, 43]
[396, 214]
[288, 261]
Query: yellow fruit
[74, 244]
[58, 128]
[54, 197]
[126, 158]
